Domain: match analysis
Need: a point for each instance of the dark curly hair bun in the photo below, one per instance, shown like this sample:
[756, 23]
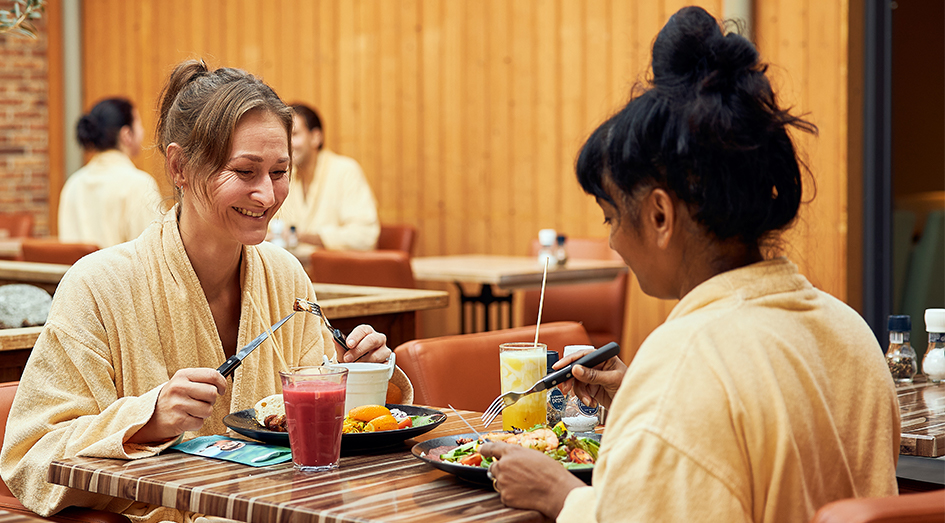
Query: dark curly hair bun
[708, 128]
[98, 129]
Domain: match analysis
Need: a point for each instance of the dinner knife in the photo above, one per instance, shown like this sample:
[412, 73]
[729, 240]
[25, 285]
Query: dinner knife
[234, 361]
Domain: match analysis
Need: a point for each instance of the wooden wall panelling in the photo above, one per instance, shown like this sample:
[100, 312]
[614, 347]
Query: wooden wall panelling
[467, 116]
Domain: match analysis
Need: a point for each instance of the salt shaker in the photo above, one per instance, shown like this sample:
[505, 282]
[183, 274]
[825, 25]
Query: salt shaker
[577, 416]
[546, 237]
[561, 252]
[900, 356]
[933, 364]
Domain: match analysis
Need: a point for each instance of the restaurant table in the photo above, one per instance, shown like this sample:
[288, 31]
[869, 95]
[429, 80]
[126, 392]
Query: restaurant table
[385, 486]
[922, 445]
[11, 517]
[506, 273]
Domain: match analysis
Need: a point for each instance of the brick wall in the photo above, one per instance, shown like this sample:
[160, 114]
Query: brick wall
[24, 126]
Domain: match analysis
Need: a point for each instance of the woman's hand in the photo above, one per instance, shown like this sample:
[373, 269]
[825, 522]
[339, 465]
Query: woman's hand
[526, 478]
[183, 403]
[365, 344]
[599, 384]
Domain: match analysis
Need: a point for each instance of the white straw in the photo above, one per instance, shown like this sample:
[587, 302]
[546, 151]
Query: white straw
[541, 300]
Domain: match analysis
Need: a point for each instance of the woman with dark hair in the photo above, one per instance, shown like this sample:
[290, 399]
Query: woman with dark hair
[126, 363]
[761, 398]
[108, 201]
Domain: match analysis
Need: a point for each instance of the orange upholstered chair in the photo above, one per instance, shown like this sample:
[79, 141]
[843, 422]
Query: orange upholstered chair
[397, 238]
[372, 268]
[599, 306]
[51, 251]
[16, 224]
[9, 503]
[925, 507]
[463, 370]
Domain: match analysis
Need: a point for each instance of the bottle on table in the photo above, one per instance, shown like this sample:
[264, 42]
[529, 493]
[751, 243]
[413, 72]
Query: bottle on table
[546, 238]
[561, 252]
[293, 238]
[577, 416]
[900, 356]
[277, 232]
[556, 398]
[933, 364]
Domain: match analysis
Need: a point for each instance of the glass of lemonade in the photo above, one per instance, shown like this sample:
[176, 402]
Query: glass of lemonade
[522, 364]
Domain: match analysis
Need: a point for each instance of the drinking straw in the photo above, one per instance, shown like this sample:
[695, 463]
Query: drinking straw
[541, 299]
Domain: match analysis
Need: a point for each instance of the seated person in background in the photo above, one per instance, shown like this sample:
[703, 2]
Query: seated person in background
[108, 201]
[126, 363]
[760, 398]
[330, 202]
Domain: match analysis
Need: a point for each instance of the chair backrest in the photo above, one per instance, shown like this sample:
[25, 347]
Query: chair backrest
[373, 268]
[463, 370]
[397, 238]
[599, 306]
[17, 224]
[926, 507]
[7, 391]
[50, 251]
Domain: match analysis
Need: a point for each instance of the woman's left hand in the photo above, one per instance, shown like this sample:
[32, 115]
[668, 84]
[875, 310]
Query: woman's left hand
[526, 478]
[365, 344]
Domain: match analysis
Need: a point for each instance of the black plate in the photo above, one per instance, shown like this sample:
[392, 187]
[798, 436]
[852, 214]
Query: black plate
[244, 422]
[477, 474]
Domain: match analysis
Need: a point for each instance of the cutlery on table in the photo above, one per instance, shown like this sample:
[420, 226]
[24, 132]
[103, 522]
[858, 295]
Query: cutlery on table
[234, 361]
[592, 359]
[460, 416]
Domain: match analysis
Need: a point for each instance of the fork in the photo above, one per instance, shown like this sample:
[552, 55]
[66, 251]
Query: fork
[314, 308]
[563, 374]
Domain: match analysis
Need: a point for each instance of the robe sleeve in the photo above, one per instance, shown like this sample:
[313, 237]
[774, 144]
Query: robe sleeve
[67, 405]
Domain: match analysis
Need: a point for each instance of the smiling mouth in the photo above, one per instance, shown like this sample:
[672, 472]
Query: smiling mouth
[251, 214]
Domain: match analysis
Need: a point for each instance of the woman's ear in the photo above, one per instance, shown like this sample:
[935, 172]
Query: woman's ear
[126, 138]
[175, 165]
[660, 216]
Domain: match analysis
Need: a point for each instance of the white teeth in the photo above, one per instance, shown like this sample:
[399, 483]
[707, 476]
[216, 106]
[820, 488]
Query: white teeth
[249, 213]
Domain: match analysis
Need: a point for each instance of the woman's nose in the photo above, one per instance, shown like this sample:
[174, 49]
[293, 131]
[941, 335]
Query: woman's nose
[263, 191]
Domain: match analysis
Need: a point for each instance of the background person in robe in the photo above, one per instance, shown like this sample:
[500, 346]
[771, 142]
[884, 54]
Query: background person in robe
[108, 201]
[126, 363]
[330, 202]
[760, 398]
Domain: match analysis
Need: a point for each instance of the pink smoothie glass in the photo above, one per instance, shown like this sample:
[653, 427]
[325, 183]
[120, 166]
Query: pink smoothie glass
[315, 412]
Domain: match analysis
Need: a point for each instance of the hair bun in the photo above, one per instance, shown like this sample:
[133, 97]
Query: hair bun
[691, 47]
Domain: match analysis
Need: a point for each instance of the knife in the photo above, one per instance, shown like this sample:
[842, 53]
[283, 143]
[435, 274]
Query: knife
[234, 361]
[588, 360]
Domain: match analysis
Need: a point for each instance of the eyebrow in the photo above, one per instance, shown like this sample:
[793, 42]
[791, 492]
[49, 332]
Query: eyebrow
[257, 159]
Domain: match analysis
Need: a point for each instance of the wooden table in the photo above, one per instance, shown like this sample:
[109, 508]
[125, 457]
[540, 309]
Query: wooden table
[506, 273]
[392, 486]
[11, 517]
[922, 446]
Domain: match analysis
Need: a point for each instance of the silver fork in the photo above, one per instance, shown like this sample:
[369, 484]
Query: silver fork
[314, 308]
[591, 359]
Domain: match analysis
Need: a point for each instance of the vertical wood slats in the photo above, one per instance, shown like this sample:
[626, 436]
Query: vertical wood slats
[467, 116]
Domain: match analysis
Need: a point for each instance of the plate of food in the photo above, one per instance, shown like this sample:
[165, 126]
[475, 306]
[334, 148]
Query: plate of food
[263, 423]
[459, 454]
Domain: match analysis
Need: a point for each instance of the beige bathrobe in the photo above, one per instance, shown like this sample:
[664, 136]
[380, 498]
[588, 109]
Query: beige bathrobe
[759, 399]
[123, 321]
[339, 205]
[108, 201]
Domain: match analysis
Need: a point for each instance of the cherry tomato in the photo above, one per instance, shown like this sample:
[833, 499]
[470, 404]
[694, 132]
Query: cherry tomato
[405, 423]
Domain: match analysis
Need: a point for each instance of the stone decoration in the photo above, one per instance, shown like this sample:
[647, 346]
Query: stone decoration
[23, 305]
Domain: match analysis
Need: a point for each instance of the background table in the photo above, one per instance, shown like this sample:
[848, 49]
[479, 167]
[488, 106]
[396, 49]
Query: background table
[506, 273]
[392, 486]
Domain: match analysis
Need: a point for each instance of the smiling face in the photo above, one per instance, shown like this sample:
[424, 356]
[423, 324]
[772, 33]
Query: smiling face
[249, 189]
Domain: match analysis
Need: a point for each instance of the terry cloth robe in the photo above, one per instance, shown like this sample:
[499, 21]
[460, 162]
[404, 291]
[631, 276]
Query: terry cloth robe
[107, 202]
[123, 321]
[759, 399]
[339, 205]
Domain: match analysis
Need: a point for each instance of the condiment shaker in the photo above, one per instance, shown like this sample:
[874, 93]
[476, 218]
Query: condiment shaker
[546, 238]
[556, 398]
[577, 416]
[900, 356]
[933, 364]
